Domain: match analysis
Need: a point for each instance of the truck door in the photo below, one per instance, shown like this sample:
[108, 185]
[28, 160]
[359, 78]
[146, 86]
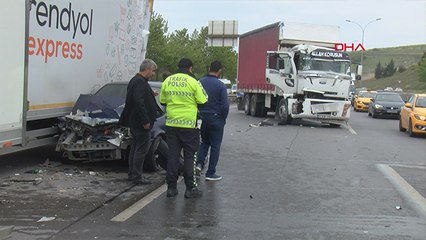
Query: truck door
[12, 68]
[280, 72]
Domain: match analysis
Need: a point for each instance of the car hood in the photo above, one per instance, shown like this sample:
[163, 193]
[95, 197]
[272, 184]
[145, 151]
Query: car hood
[421, 111]
[390, 104]
[99, 106]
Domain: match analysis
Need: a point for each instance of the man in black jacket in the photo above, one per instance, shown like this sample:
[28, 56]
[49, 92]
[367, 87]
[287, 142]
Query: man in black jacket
[140, 114]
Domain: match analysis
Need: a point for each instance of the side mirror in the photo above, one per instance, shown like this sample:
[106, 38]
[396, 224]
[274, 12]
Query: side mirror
[372, 99]
[408, 105]
[358, 77]
[356, 96]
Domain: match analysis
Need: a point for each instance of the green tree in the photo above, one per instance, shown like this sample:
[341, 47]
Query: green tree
[378, 73]
[421, 69]
[166, 49]
[157, 41]
[390, 69]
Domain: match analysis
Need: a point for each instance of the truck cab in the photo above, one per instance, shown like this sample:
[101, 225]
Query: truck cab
[312, 80]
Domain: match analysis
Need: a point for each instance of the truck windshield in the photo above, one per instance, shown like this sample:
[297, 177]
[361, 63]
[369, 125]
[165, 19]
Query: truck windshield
[308, 63]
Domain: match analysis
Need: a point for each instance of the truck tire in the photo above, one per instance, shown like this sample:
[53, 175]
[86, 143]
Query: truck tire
[247, 104]
[281, 113]
[255, 107]
[240, 103]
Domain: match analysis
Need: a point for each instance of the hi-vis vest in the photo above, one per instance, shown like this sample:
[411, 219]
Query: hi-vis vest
[181, 93]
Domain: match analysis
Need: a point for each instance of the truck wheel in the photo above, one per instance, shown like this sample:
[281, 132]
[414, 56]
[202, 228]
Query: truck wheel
[255, 107]
[240, 103]
[247, 104]
[282, 112]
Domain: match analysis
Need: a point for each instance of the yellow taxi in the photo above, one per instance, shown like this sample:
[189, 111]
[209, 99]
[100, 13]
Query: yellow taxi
[413, 115]
[362, 100]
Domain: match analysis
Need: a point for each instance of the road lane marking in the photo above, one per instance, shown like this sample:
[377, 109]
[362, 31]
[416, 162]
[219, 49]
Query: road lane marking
[414, 198]
[139, 205]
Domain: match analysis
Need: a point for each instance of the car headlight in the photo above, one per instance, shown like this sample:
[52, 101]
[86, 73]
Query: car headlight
[420, 117]
[378, 106]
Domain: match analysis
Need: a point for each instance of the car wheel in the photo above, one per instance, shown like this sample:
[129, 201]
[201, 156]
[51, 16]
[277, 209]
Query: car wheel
[162, 159]
[373, 114]
[369, 113]
[247, 104]
[151, 163]
[401, 129]
[410, 129]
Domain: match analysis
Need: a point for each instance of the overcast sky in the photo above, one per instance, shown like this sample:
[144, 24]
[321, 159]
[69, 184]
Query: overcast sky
[403, 21]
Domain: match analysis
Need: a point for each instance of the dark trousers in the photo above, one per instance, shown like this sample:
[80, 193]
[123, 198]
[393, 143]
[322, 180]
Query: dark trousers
[138, 151]
[211, 137]
[187, 139]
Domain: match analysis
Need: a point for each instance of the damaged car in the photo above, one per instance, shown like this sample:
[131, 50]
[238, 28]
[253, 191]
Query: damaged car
[91, 131]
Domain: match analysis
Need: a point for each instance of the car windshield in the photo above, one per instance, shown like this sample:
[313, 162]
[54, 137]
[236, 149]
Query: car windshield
[388, 98]
[112, 90]
[421, 102]
[366, 94]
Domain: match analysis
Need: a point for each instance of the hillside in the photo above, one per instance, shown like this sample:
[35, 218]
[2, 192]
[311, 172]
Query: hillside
[402, 56]
[406, 56]
[407, 80]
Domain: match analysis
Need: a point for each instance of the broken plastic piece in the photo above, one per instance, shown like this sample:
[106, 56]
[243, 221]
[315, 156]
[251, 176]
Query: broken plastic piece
[46, 219]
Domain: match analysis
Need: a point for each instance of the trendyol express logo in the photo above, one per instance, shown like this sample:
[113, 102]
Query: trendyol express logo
[343, 47]
[65, 19]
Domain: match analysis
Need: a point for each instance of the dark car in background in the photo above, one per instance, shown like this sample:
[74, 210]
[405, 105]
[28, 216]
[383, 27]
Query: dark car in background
[91, 131]
[385, 104]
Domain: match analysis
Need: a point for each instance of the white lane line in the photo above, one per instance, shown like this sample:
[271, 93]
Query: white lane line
[410, 194]
[351, 130]
[139, 205]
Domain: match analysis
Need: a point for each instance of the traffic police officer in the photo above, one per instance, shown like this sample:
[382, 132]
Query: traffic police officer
[181, 93]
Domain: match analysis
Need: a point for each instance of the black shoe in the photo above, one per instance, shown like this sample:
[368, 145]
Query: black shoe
[213, 177]
[193, 193]
[143, 181]
[172, 192]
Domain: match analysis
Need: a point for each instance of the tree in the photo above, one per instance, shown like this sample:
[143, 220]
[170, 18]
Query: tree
[421, 69]
[378, 73]
[390, 69]
[167, 49]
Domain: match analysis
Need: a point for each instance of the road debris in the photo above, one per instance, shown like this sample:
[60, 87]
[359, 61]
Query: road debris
[46, 219]
[398, 207]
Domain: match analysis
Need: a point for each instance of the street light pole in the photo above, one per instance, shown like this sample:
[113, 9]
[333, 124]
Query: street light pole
[363, 33]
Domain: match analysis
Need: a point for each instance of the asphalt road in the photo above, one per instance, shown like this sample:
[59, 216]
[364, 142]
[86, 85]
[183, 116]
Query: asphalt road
[300, 181]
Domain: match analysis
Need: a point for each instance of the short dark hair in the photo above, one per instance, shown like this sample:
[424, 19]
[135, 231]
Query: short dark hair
[185, 63]
[215, 66]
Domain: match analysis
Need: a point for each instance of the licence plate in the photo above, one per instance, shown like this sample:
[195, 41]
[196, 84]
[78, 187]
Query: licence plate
[392, 111]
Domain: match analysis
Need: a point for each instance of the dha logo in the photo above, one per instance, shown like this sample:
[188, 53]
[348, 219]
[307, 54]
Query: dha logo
[343, 47]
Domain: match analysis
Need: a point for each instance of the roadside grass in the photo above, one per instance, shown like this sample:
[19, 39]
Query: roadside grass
[407, 80]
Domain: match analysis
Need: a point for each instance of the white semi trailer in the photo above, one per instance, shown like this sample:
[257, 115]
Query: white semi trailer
[53, 50]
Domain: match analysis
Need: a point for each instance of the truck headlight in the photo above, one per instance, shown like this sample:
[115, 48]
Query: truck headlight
[420, 117]
[378, 106]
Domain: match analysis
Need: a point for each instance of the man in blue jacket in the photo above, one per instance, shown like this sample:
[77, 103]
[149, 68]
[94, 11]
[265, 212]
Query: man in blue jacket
[213, 115]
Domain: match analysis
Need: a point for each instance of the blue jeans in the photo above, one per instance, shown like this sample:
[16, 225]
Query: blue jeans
[211, 137]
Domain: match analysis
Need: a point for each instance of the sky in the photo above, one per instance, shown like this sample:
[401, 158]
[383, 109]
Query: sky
[403, 22]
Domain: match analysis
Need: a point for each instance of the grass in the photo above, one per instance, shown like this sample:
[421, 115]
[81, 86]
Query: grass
[406, 56]
[407, 80]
